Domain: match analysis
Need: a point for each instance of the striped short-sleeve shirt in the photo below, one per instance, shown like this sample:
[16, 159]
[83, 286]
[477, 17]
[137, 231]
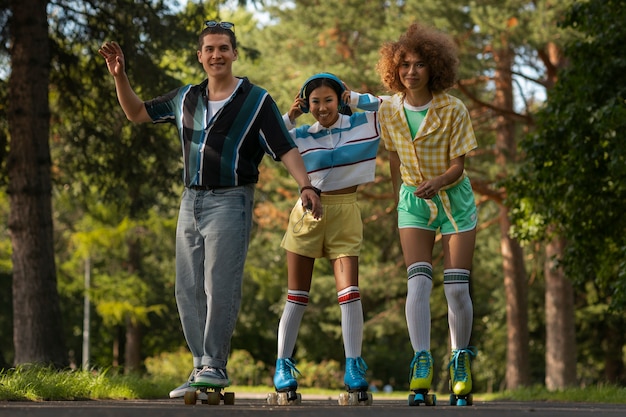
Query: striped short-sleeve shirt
[344, 154]
[225, 150]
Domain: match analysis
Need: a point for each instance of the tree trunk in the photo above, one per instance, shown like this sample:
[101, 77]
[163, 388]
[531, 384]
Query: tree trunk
[516, 289]
[133, 347]
[515, 285]
[614, 341]
[560, 328]
[37, 324]
[118, 346]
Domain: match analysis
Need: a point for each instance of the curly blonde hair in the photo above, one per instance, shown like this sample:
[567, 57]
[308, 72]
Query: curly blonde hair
[435, 48]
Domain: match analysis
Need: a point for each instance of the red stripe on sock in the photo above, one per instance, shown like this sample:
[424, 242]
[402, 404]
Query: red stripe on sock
[351, 296]
[300, 299]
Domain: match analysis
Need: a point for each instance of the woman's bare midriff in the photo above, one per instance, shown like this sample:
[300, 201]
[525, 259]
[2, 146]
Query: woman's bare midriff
[347, 190]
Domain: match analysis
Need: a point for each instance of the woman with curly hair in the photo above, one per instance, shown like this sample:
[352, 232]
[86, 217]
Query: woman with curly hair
[428, 133]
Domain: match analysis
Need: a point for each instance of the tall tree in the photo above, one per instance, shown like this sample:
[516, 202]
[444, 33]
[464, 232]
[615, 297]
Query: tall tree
[95, 143]
[575, 160]
[518, 37]
[560, 325]
[37, 327]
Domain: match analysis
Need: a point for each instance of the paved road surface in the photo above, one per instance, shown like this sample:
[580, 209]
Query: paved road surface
[319, 407]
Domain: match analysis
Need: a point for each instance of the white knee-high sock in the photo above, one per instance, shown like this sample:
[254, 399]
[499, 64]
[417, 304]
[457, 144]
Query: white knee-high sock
[351, 320]
[417, 310]
[460, 308]
[290, 322]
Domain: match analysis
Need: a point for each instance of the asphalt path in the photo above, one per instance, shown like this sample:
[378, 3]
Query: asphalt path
[318, 407]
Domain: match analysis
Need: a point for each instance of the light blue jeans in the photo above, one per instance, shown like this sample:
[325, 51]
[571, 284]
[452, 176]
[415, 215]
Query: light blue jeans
[211, 245]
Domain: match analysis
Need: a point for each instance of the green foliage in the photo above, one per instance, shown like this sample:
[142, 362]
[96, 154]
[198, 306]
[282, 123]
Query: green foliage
[572, 181]
[175, 365]
[324, 374]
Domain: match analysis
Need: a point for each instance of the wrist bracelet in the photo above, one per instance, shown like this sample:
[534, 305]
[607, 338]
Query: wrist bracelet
[314, 189]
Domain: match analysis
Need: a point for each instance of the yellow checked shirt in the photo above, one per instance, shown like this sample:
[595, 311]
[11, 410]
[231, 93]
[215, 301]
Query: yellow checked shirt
[445, 134]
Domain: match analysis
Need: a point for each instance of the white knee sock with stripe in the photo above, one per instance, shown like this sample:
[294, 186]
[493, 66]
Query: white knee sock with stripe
[351, 320]
[417, 310]
[290, 322]
[460, 308]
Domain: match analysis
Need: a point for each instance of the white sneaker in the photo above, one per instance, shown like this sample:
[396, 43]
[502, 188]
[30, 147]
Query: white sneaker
[180, 391]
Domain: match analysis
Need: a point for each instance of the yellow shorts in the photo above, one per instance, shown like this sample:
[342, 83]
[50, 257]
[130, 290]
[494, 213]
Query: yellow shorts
[337, 234]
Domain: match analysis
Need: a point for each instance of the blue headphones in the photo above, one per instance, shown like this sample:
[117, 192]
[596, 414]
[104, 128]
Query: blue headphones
[305, 108]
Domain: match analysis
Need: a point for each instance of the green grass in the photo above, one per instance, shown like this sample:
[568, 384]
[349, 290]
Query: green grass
[608, 394]
[27, 383]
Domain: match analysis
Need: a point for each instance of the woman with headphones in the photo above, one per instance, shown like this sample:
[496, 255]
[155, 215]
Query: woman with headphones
[339, 153]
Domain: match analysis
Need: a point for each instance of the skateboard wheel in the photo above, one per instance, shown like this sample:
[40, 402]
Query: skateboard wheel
[430, 400]
[213, 398]
[229, 398]
[190, 397]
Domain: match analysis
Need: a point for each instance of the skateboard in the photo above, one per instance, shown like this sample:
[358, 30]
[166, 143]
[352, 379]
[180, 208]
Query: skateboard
[208, 394]
[357, 397]
[289, 397]
[421, 396]
[461, 400]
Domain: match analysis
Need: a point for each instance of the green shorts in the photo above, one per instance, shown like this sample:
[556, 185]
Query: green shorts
[415, 212]
[337, 234]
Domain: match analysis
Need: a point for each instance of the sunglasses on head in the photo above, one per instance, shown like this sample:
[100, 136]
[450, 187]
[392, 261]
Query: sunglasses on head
[223, 25]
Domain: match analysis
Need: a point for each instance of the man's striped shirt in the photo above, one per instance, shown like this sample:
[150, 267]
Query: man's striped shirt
[227, 149]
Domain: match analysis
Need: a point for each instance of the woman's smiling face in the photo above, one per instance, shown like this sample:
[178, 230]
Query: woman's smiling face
[324, 105]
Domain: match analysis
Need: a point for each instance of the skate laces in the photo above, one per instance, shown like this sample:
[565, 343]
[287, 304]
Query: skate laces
[359, 368]
[420, 365]
[461, 358]
[288, 367]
